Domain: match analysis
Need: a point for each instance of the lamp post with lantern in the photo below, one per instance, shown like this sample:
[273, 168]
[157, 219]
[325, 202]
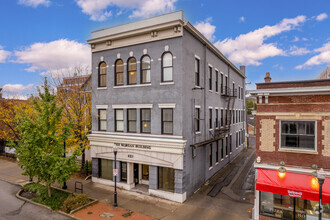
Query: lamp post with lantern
[321, 177]
[115, 147]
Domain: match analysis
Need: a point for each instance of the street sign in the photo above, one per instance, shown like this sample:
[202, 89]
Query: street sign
[115, 172]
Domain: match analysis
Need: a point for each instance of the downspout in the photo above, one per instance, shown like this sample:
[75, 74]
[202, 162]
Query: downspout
[205, 79]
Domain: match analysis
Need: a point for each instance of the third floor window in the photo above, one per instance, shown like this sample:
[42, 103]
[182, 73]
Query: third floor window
[103, 74]
[145, 69]
[197, 69]
[167, 67]
[119, 73]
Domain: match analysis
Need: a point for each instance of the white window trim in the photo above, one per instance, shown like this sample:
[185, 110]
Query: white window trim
[126, 106]
[197, 57]
[210, 65]
[101, 106]
[210, 107]
[166, 105]
[197, 106]
[293, 150]
[128, 86]
[166, 83]
[101, 88]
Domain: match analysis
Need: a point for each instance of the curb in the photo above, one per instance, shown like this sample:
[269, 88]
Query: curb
[59, 211]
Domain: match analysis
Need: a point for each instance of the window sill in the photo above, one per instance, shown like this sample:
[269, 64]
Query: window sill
[210, 129]
[216, 163]
[210, 168]
[198, 132]
[166, 83]
[197, 87]
[221, 159]
[298, 151]
[210, 91]
[130, 86]
[226, 155]
[101, 88]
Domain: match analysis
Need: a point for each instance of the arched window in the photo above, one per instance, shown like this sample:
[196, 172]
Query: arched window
[131, 71]
[167, 67]
[103, 74]
[119, 71]
[145, 69]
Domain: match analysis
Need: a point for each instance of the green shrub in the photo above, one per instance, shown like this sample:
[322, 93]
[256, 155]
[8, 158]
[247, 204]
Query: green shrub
[89, 164]
[75, 201]
[55, 202]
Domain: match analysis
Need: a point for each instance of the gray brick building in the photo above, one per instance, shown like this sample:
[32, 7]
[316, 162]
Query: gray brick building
[168, 101]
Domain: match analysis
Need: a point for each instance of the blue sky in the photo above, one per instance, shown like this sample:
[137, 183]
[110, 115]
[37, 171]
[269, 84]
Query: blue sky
[289, 39]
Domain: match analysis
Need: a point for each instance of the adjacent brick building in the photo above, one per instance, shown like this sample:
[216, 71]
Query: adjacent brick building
[292, 132]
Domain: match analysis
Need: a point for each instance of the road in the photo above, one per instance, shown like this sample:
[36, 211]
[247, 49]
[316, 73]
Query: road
[13, 208]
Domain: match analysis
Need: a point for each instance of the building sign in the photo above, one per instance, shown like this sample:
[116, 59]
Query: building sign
[138, 146]
[292, 193]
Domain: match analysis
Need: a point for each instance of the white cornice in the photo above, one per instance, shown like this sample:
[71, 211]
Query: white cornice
[317, 90]
[166, 105]
[101, 106]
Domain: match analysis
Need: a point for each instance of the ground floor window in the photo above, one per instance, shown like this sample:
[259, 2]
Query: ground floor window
[106, 169]
[285, 207]
[123, 166]
[166, 179]
[145, 172]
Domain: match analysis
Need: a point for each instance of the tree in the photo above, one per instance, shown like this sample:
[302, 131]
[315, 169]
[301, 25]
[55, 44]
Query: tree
[250, 106]
[41, 146]
[74, 93]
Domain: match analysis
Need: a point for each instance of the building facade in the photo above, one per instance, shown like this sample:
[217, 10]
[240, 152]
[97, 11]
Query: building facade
[325, 74]
[292, 145]
[161, 94]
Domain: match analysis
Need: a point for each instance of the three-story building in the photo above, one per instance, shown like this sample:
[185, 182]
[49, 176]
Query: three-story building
[168, 101]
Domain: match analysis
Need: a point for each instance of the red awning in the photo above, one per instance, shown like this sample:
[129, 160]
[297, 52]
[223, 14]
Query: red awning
[292, 184]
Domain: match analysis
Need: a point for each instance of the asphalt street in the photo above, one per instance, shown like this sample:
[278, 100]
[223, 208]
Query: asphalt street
[13, 208]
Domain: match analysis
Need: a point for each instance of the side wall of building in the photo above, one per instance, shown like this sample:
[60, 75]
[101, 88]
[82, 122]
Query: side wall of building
[197, 169]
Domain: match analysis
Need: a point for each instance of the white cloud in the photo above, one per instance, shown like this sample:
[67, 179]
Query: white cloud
[16, 88]
[242, 19]
[322, 58]
[98, 10]
[278, 66]
[250, 48]
[56, 57]
[296, 39]
[34, 3]
[322, 16]
[4, 55]
[206, 28]
[297, 51]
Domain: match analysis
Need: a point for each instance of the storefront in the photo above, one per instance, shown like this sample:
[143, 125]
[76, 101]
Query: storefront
[152, 164]
[290, 196]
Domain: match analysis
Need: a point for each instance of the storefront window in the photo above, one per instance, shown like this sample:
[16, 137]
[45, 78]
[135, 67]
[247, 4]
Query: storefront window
[106, 169]
[123, 171]
[145, 172]
[275, 205]
[285, 207]
[166, 178]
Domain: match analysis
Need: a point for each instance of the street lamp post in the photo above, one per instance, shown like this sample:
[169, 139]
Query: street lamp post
[64, 184]
[115, 194]
[321, 177]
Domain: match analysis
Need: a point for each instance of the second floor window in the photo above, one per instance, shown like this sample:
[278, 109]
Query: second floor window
[221, 83]
[210, 78]
[197, 125]
[167, 67]
[197, 69]
[103, 74]
[167, 121]
[221, 120]
[298, 135]
[145, 120]
[145, 69]
[102, 119]
[216, 81]
[131, 71]
[210, 118]
[217, 118]
[119, 73]
[119, 120]
[131, 120]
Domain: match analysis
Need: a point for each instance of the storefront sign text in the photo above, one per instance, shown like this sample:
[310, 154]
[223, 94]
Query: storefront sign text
[133, 146]
[294, 194]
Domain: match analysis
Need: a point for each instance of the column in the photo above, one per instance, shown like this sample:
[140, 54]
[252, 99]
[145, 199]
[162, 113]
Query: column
[130, 175]
[95, 167]
[178, 181]
[153, 177]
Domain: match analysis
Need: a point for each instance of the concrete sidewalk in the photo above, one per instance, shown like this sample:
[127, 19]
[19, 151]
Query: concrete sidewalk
[198, 206]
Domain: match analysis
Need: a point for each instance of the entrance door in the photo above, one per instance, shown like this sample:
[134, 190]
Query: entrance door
[136, 173]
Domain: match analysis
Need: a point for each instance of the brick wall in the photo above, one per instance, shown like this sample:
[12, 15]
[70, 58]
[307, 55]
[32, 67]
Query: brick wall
[307, 83]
